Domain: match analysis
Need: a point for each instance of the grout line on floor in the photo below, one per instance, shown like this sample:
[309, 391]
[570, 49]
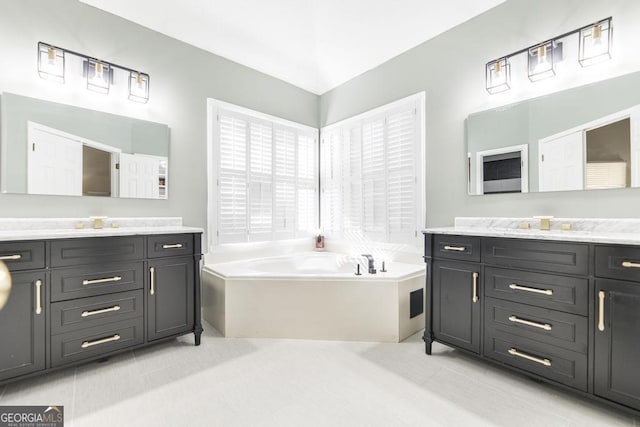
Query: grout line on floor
[73, 395]
[4, 388]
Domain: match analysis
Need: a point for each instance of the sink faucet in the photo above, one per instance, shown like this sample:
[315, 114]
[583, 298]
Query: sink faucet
[372, 269]
[545, 222]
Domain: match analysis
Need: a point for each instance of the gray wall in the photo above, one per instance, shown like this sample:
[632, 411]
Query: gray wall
[450, 69]
[182, 78]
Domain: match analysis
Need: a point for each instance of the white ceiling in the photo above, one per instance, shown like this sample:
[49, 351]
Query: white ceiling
[313, 44]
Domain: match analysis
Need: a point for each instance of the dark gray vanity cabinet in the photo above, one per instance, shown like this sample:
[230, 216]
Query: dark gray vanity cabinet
[617, 332]
[170, 297]
[93, 297]
[563, 312]
[456, 308]
[22, 326]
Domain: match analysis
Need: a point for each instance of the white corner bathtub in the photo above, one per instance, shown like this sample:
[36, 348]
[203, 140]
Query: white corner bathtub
[313, 295]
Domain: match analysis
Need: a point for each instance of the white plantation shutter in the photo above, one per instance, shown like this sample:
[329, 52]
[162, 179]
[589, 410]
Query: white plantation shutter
[331, 182]
[285, 183]
[232, 181]
[352, 159]
[374, 180]
[267, 178]
[307, 179]
[401, 175]
[260, 181]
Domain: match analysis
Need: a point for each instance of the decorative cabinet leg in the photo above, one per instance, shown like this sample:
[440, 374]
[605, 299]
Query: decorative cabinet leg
[197, 333]
[428, 340]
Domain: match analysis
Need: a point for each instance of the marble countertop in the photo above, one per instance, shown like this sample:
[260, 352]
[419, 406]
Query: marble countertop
[589, 230]
[65, 228]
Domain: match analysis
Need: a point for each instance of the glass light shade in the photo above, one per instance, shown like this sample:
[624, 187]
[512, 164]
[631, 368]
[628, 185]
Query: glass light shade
[98, 76]
[595, 43]
[138, 87]
[542, 61]
[498, 75]
[50, 63]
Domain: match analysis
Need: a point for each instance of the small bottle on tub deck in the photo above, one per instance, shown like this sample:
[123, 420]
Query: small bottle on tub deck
[319, 242]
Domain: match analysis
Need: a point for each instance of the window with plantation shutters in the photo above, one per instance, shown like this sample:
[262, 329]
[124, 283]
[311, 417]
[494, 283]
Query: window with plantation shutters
[265, 171]
[377, 195]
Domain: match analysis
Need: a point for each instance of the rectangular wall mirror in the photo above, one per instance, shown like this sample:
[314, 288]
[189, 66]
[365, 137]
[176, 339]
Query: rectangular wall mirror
[57, 149]
[577, 139]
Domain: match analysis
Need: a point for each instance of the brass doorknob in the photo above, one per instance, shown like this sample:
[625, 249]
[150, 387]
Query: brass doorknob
[5, 284]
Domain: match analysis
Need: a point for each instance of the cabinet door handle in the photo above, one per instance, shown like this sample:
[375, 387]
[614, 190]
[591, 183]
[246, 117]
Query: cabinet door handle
[88, 344]
[527, 289]
[10, 257]
[105, 280]
[601, 311]
[173, 246]
[38, 296]
[152, 273]
[475, 287]
[454, 248]
[629, 264]
[100, 311]
[515, 352]
[516, 319]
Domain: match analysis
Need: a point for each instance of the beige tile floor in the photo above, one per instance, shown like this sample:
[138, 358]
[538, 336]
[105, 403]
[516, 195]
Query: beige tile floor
[276, 382]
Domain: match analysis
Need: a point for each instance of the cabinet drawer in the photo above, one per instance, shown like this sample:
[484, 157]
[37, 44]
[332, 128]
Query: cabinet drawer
[539, 324]
[568, 258]
[22, 255]
[169, 245]
[90, 342]
[618, 262]
[69, 252]
[463, 248]
[96, 279]
[557, 364]
[570, 294]
[83, 313]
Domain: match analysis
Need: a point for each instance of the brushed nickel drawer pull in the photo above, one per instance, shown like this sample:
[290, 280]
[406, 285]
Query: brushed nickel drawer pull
[105, 280]
[38, 296]
[88, 344]
[475, 287]
[152, 272]
[534, 290]
[454, 248]
[629, 264]
[601, 311]
[174, 246]
[100, 311]
[10, 257]
[516, 319]
[515, 352]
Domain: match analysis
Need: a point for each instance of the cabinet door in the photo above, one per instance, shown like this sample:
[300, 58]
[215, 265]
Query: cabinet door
[170, 295]
[617, 343]
[456, 304]
[22, 334]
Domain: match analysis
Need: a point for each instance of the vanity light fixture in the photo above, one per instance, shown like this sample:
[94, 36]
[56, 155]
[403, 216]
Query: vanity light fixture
[542, 60]
[498, 75]
[138, 86]
[50, 63]
[595, 43]
[594, 47]
[100, 75]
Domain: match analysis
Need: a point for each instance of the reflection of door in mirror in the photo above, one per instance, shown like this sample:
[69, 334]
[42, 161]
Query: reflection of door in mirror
[65, 164]
[604, 153]
[143, 176]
